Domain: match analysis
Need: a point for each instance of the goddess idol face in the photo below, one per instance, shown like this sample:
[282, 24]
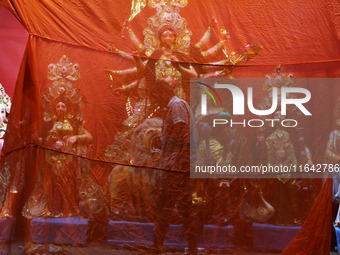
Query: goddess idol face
[61, 110]
[168, 38]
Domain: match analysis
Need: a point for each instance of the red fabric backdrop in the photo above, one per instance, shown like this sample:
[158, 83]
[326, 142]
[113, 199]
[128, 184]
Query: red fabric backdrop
[302, 36]
[12, 46]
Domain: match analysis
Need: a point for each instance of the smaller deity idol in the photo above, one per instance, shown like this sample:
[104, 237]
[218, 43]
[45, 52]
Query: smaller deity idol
[277, 146]
[56, 192]
[332, 155]
[333, 145]
[61, 170]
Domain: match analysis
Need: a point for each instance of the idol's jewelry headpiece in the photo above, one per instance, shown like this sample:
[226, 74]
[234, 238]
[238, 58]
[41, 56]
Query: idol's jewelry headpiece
[278, 78]
[63, 74]
[64, 70]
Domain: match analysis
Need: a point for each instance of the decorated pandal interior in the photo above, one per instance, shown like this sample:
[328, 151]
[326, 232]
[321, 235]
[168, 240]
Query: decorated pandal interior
[107, 122]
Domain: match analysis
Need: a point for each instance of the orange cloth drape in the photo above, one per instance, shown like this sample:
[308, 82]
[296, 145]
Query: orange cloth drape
[302, 36]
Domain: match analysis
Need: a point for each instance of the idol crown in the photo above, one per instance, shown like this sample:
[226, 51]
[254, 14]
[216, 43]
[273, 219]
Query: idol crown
[279, 78]
[63, 70]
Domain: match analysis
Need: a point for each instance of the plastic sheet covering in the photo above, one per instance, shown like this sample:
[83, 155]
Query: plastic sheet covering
[96, 153]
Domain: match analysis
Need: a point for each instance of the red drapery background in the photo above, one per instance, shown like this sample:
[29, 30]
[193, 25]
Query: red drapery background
[303, 37]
